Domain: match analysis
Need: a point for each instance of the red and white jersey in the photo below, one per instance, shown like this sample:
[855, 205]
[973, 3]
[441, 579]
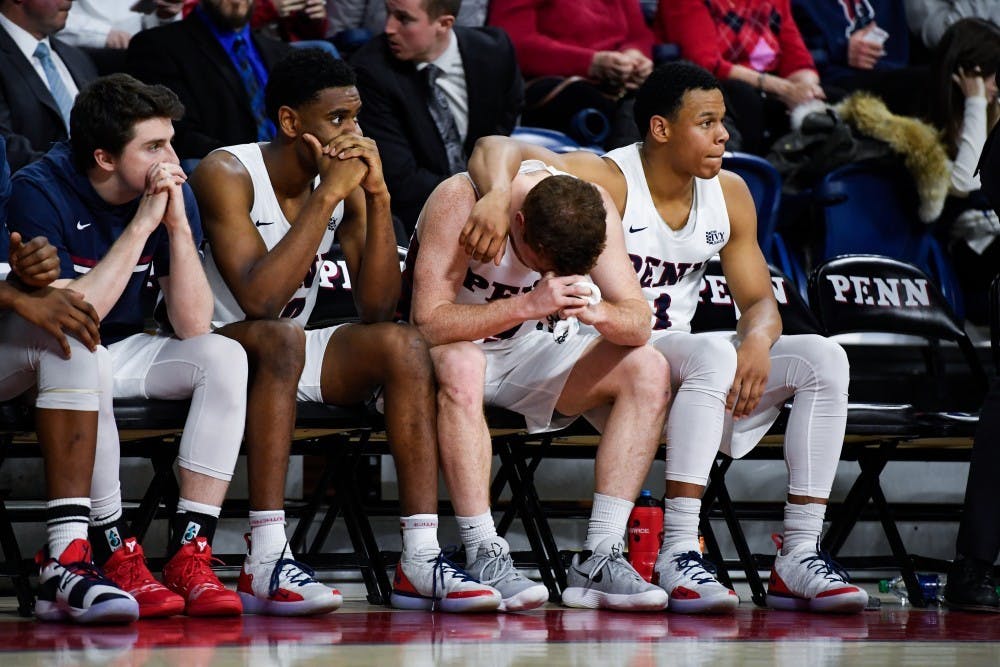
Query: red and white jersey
[272, 226]
[670, 264]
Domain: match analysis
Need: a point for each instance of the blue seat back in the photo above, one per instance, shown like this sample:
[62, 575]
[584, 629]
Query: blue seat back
[870, 208]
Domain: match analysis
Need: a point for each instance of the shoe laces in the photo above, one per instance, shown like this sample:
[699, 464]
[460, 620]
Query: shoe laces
[86, 570]
[611, 561]
[298, 574]
[132, 571]
[695, 567]
[497, 569]
[445, 567]
[822, 564]
[197, 568]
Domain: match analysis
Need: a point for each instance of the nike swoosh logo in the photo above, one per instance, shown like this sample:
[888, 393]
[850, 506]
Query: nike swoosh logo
[80, 226]
[632, 230]
[261, 224]
[596, 579]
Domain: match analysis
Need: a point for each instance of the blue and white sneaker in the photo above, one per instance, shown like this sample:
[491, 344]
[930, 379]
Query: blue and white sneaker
[690, 582]
[279, 585]
[808, 579]
[604, 579]
[432, 581]
[72, 588]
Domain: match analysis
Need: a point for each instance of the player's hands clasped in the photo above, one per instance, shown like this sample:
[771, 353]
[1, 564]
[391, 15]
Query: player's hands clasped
[558, 295]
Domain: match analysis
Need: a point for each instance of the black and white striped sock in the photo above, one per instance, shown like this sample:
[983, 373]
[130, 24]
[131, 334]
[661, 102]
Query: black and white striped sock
[66, 519]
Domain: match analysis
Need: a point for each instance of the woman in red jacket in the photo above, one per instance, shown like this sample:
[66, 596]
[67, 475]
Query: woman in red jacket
[755, 49]
[576, 54]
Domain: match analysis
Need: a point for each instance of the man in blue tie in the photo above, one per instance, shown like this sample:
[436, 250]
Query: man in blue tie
[39, 78]
[217, 67]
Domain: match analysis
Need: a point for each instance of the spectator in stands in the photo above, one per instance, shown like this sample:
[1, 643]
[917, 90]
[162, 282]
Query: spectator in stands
[370, 15]
[965, 108]
[680, 209]
[268, 225]
[578, 54]
[867, 47]
[291, 20]
[114, 202]
[930, 18]
[49, 339]
[480, 319]
[430, 90]
[218, 67]
[756, 51]
[39, 78]
[103, 28]
[971, 585]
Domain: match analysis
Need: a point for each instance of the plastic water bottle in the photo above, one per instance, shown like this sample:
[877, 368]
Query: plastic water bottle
[645, 533]
[932, 586]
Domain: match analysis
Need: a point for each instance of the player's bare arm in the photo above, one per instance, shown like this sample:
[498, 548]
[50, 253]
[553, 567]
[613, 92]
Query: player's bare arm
[262, 282]
[103, 285]
[493, 166]
[750, 284]
[185, 291]
[366, 235]
[441, 268]
[622, 316]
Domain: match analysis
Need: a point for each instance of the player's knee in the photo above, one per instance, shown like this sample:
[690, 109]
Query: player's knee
[461, 372]
[713, 367]
[219, 358]
[406, 350]
[647, 377]
[830, 362]
[279, 348]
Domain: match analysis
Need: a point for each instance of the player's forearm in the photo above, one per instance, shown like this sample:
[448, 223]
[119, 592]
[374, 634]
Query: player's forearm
[103, 285]
[378, 284]
[762, 321]
[626, 323]
[451, 323]
[190, 302]
[272, 280]
[494, 163]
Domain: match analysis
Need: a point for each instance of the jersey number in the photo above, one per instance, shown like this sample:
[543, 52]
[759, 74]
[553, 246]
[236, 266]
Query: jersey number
[661, 306]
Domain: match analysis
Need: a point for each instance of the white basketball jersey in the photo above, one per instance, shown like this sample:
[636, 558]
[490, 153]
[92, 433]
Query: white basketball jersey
[485, 281]
[272, 227]
[670, 264]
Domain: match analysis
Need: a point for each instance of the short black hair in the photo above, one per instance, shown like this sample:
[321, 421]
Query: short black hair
[105, 113]
[299, 77]
[436, 8]
[662, 93]
[564, 222]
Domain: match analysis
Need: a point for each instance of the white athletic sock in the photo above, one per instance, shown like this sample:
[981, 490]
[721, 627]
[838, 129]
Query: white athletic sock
[680, 525]
[419, 534]
[267, 533]
[609, 518]
[473, 530]
[105, 511]
[66, 520]
[803, 525]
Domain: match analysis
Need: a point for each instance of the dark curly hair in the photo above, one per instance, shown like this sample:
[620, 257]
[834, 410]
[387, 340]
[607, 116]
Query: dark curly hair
[662, 93]
[299, 77]
[105, 113]
[565, 223]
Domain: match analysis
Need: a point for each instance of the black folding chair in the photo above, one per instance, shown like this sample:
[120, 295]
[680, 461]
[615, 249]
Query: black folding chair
[868, 293]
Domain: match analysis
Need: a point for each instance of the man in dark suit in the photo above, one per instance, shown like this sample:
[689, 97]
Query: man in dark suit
[475, 76]
[39, 78]
[217, 67]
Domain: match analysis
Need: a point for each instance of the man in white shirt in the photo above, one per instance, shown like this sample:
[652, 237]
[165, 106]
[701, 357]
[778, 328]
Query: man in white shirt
[39, 78]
